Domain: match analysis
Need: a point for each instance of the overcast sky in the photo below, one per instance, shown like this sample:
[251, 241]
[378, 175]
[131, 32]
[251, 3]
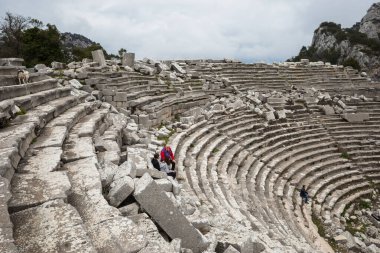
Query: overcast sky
[249, 30]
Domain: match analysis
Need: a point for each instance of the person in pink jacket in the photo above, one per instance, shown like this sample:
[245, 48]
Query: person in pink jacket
[167, 153]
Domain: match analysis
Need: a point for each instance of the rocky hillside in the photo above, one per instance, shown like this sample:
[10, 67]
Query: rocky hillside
[358, 46]
[71, 40]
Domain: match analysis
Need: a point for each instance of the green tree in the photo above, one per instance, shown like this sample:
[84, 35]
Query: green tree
[121, 52]
[11, 30]
[41, 45]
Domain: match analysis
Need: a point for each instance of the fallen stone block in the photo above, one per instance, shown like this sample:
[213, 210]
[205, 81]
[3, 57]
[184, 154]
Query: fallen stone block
[328, 110]
[269, 116]
[120, 190]
[231, 249]
[152, 172]
[355, 117]
[51, 227]
[128, 210]
[170, 219]
[177, 68]
[165, 184]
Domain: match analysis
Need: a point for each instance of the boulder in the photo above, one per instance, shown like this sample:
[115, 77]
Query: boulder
[131, 209]
[75, 84]
[120, 189]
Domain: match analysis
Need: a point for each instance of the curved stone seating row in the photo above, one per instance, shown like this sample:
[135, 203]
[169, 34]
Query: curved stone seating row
[39, 191]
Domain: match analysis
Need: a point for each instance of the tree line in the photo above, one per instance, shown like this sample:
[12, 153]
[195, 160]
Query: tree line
[28, 38]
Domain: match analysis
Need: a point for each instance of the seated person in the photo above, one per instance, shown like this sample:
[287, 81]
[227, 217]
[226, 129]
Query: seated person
[167, 168]
[167, 153]
[156, 162]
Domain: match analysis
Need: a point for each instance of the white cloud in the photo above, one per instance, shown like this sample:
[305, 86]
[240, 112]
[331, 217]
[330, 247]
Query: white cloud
[251, 30]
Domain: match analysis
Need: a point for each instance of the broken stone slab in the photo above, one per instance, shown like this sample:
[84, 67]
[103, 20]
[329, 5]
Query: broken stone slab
[340, 239]
[51, 137]
[107, 171]
[98, 56]
[355, 117]
[75, 84]
[328, 110]
[120, 189]
[174, 66]
[157, 243]
[165, 184]
[51, 227]
[152, 172]
[150, 196]
[128, 210]
[269, 116]
[231, 249]
[30, 190]
[126, 169]
[41, 161]
[128, 59]
[281, 114]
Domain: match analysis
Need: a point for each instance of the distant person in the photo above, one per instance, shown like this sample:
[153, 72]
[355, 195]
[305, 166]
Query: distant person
[167, 153]
[304, 195]
[156, 162]
[168, 169]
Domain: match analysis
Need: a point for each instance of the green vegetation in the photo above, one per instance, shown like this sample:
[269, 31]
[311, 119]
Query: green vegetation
[318, 222]
[215, 150]
[21, 112]
[30, 39]
[345, 155]
[364, 205]
[352, 35]
[165, 139]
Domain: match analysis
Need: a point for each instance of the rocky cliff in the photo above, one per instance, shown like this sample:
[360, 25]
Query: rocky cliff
[71, 40]
[358, 46]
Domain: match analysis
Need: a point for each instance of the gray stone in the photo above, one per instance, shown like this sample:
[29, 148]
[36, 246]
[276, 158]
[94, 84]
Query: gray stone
[120, 190]
[30, 190]
[128, 59]
[51, 227]
[340, 238]
[57, 65]
[165, 184]
[373, 249]
[231, 249]
[152, 172]
[253, 244]
[328, 110]
[177, 68]
[128, 210]
[355, 117]
[98, 56]
[126, 169]
[40, 67]
[107, 171]
[170, 219]
[269, 116]
[42, 161]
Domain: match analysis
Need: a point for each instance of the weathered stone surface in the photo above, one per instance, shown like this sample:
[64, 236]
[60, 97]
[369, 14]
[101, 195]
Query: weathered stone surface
[165, 184]
[231, 249]
[152, 172]
[42, 161]
[120, 190]
[51, 227]
[128, 59]
[328, 110]
[51, 137]
[355, 117]
[6, 226]
[117, 235]
[170, 219]
[131, 209]
[34, 189]
[78, 148]
[177, 68]
[75, 84]
[98, 56]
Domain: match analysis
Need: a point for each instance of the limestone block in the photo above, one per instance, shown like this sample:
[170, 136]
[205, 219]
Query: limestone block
[128, 59]
[57, 65]
[231, 249]
[144, 120]
[269, 116]
[355, 117]
[120, 97]
[165, 184]
[177, 68]
[340, 239]
[328, 110]
[131, 209]
[107, 171]
[78, 148]
[170, 219]
[161, 67]
[120, 190]
[281, 114]
[98, 56]
[51, 227]
[34, 189]
[51, 137]
[126, 169]
[342, 104]
[152, 172]
[75, 84]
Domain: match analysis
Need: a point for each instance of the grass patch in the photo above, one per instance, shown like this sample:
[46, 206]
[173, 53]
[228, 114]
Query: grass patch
[345, 155]
[21, 112]
[364, 205]
[215, 150]
[318, 222]
[353, 228]
[34, 140]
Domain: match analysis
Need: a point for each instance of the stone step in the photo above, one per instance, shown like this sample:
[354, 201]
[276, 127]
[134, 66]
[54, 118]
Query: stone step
[51, 227]
[8, 92]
